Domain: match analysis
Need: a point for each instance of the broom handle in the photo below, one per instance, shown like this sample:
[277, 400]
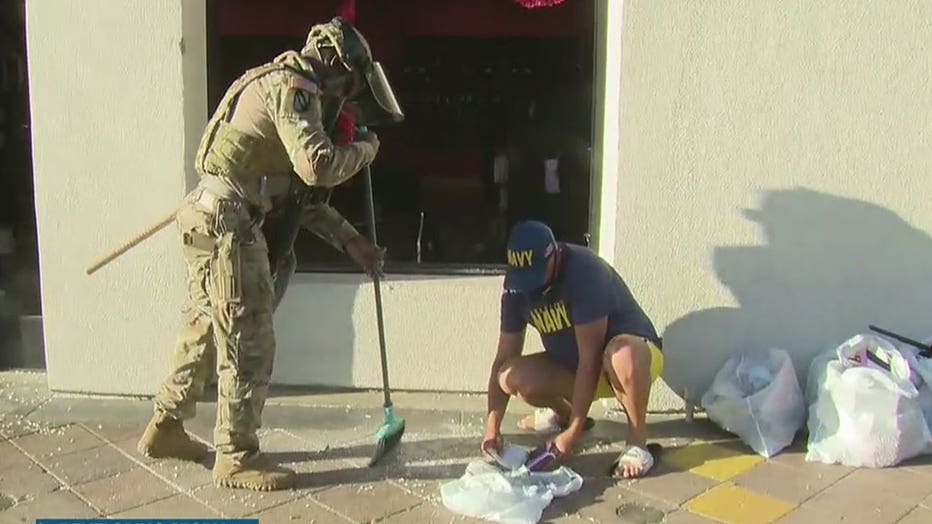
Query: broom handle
[370, 204]
[129, 244]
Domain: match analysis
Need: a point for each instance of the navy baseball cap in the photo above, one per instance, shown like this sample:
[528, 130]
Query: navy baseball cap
[530, 247]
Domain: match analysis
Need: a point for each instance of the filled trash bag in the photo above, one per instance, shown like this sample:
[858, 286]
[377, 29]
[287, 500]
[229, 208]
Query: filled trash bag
[514, 496]
[920, 374]
[866, 407]
[756, 396]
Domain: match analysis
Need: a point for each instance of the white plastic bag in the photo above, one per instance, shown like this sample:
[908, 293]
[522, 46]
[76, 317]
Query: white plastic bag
[757, 397]
[922, 369]
[863, 414]
[512, 456]
[921, 374]
[509, 497]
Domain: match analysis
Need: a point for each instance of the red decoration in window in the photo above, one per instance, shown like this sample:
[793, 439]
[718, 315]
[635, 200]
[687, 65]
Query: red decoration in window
[533, 4]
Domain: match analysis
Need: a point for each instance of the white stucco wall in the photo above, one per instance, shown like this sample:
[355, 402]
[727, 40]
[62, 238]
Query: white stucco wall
[117, 106]
[774, 177]
[440, 332]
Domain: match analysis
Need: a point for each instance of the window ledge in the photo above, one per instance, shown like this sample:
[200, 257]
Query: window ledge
[413, 269]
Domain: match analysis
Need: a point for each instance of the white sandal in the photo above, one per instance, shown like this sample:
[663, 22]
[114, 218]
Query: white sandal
[633, 455]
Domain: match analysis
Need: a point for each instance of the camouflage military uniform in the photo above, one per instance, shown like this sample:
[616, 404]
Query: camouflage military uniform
[267, 127]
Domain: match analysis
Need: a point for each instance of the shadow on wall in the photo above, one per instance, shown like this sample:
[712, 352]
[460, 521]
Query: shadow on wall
[831, 267]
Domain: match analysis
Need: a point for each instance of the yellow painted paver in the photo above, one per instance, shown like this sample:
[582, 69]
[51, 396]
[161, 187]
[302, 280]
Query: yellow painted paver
[717, 461]
[735, 505]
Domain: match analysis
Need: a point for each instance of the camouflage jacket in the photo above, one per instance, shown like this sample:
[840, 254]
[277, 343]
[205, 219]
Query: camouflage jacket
[268, 126]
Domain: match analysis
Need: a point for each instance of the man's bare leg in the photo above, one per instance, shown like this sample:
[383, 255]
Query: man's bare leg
[540, 382]
[627, 361]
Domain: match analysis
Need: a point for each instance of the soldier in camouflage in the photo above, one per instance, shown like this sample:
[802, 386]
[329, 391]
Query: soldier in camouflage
[270, 125]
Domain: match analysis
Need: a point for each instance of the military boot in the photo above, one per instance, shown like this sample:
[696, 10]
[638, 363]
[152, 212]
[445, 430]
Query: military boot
[256, 472]
[165, 437]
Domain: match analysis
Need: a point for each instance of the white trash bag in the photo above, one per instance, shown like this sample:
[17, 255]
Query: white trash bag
[921, 374]
[866, 408]
[757, 397]
[518, 496]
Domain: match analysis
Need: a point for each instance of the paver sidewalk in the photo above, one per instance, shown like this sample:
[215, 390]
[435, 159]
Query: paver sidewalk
[66, 457]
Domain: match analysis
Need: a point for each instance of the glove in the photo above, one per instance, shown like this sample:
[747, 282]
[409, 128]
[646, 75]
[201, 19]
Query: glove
[370, 257]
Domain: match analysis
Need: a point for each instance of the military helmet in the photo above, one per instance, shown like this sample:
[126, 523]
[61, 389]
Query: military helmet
[350, 47]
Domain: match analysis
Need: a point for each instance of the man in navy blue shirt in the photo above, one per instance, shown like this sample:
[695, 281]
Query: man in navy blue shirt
[598, 343]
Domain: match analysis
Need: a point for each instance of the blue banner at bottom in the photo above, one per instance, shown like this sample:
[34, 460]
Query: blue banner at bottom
[147, 521]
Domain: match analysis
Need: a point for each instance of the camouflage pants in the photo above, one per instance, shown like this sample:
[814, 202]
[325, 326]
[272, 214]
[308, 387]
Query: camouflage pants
[283, 277]
[227, 324]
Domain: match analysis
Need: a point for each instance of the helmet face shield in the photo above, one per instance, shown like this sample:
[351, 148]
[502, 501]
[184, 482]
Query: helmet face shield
[377, 104]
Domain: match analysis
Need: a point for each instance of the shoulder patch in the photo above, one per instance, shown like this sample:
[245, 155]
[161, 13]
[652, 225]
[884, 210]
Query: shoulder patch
[301, 100]
[301, 90]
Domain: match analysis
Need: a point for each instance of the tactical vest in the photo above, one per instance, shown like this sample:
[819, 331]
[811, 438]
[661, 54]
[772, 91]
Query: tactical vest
[233, 155]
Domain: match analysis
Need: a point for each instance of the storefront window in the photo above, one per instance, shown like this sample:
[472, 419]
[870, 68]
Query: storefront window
[498, 110]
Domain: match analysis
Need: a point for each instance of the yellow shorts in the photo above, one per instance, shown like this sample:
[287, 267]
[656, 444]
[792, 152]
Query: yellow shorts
[604, 388]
